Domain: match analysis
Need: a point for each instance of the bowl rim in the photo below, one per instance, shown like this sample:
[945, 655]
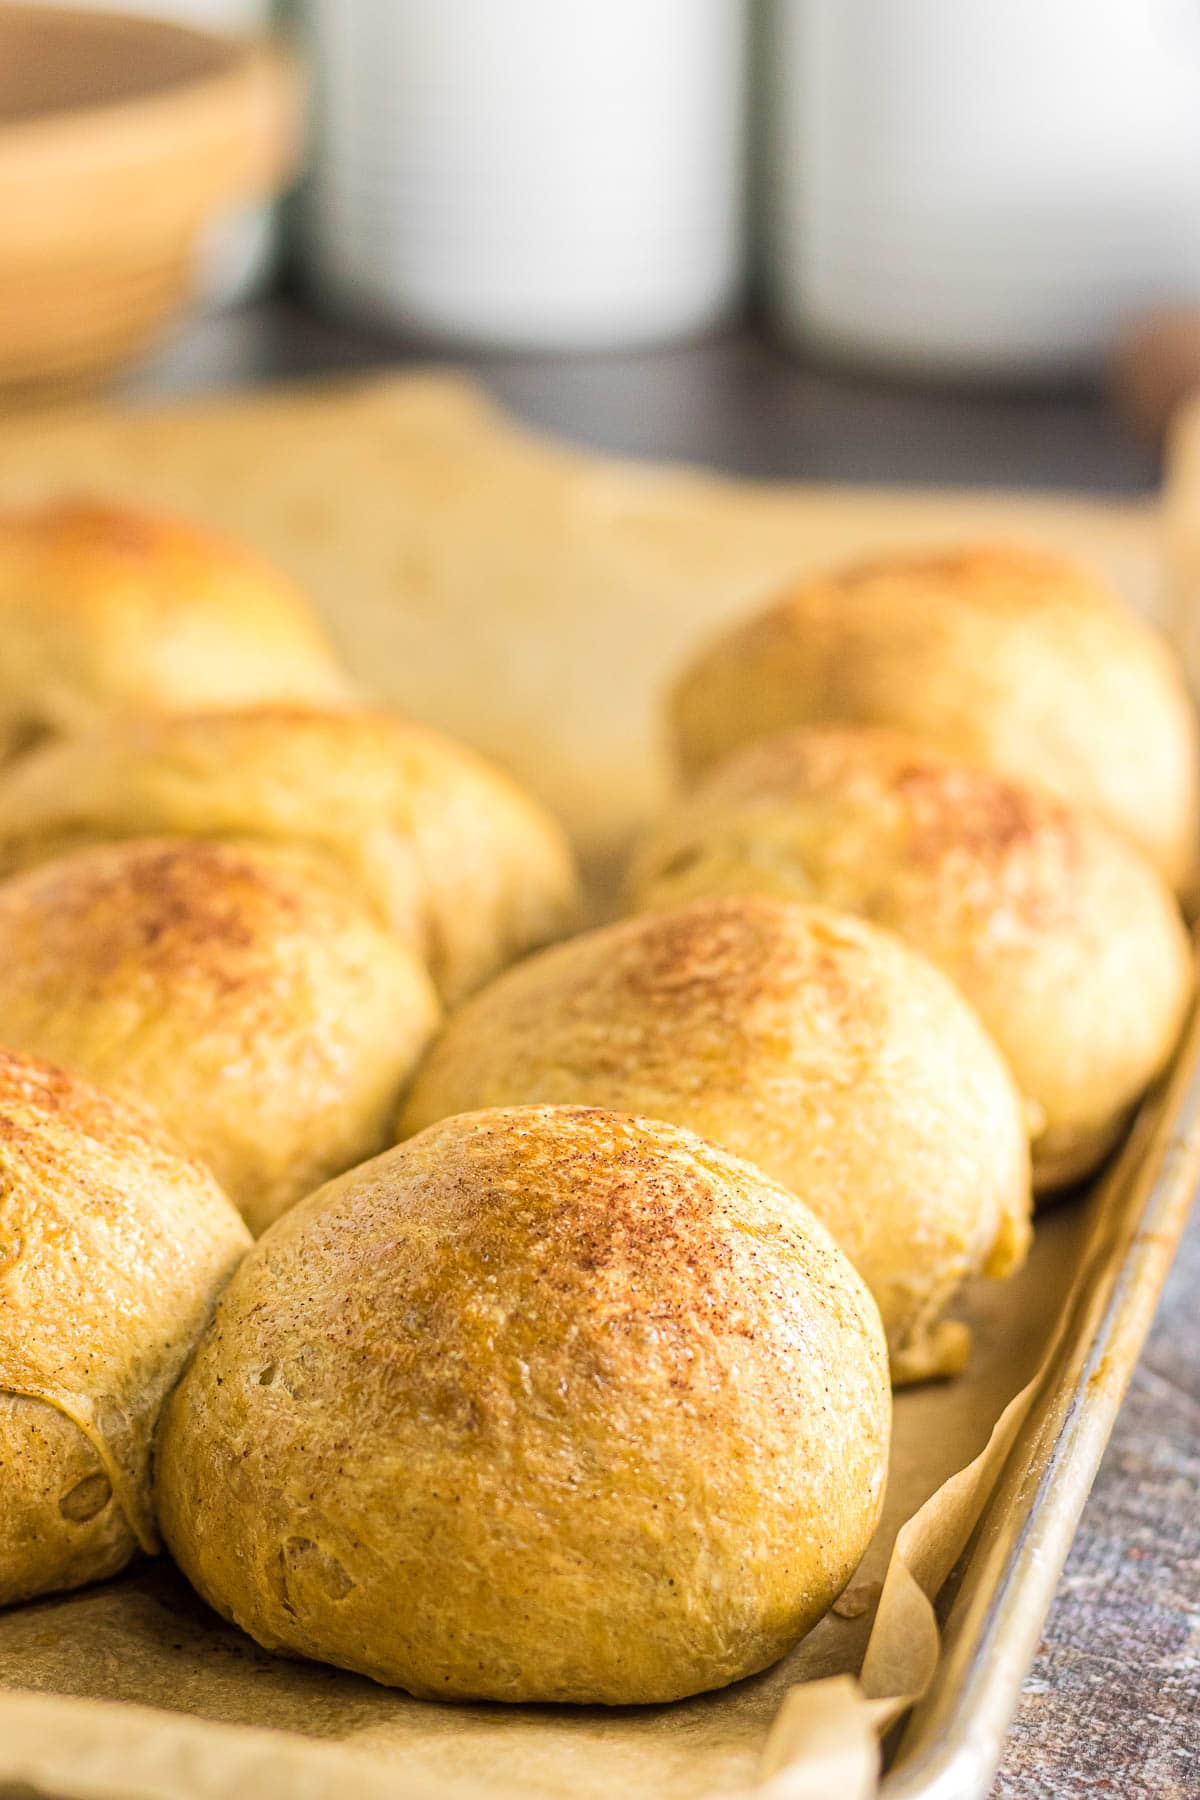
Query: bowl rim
[215, 49]
[75, 178]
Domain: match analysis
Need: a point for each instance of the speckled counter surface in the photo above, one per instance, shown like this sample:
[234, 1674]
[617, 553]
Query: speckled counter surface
[1112, 1706]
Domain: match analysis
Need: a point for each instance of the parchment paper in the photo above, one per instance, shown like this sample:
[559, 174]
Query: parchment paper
[534, 600]
[526, 596]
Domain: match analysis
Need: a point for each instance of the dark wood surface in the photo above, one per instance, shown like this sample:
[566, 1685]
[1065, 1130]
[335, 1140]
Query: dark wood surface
[732, 402]
[1112, 1706]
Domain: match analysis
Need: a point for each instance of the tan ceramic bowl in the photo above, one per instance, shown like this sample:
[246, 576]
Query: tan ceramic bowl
[121, 139]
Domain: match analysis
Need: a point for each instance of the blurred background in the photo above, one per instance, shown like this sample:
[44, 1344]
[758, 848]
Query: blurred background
[933, 240]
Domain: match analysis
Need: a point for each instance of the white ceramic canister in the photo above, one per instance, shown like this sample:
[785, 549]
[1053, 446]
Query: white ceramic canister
[528, 173]
[970, 186]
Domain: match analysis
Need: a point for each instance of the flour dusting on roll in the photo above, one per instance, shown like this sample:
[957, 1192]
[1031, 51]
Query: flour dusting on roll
[811, 1043]
[245, 994]
[1011, 658]
[1057, 930]
[545, 1405]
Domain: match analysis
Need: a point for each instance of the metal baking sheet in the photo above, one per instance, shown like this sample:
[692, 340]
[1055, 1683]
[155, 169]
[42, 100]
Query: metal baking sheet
[510, 590]
[996, 1604]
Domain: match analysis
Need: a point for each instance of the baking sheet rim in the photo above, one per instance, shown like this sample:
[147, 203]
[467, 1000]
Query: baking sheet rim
[991, 1630]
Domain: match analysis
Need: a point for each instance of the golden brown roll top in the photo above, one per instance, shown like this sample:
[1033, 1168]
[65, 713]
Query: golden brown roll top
[814, 1045]
[444, 847]
[1009, 658]
[112, 1250]
[1056, 929]
[245, 995]
[104, 609]
[543, 1405]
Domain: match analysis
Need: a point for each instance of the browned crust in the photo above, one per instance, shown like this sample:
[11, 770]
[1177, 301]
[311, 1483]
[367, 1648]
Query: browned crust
[443, 846]
[1057, 929]
[28, 1085]
[629, 1385]
[1004, 656]
[176, 908]
[796, 1036]
[247, 995]
[98, 543]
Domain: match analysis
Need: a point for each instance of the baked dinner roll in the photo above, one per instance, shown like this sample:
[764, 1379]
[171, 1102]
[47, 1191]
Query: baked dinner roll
[104, 609]
[547, 1404]
[816, 1046]
[244, 994]
[112, 1250]
[444, 847]
[1010, 658]
[1057, 930]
